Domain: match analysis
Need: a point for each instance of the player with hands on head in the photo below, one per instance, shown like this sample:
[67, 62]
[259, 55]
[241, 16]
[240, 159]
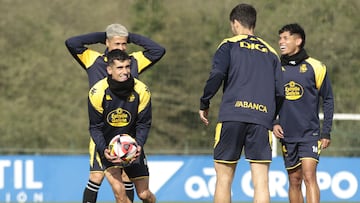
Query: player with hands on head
[250, 72]
[116, 36]
[121, 104]
[306, 83]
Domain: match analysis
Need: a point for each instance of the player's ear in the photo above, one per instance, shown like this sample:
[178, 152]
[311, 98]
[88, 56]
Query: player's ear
[235, 26]
[298, 41]
[107, 43]
[109, 70]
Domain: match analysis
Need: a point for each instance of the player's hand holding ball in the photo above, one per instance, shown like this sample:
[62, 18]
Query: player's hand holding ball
[111, 158]
[122, 149]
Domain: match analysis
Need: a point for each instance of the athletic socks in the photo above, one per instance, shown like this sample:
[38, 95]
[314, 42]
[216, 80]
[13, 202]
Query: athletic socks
[129, 187]
[90, 192]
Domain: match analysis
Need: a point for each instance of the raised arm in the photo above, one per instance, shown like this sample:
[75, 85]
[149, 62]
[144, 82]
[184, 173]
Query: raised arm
[151, 54]
[77, 46]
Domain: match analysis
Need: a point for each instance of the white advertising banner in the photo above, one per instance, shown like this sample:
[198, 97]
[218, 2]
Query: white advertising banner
[52, 178]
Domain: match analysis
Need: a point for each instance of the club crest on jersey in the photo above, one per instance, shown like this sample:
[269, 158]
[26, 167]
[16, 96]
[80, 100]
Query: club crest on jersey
[118, 118]
[131, 98]
[108, 97]
[303, 68]
[293, 91]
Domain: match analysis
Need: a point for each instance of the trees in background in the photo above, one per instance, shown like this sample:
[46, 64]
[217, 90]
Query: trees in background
[43, 103]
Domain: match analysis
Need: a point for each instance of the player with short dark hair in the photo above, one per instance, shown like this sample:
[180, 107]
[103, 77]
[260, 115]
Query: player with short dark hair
[121, 96]
[250, 72]
[116, 36]
[306, 82]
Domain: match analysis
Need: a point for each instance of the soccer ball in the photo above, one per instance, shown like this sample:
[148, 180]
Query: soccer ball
[123, 146]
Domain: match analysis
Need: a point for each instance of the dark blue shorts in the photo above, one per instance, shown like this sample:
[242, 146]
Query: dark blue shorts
[137, 169]
[294, 152]
[232, 137]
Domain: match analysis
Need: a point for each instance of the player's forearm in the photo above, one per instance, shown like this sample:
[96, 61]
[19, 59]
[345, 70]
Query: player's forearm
[96, 129]
[77, 44]
[328, 105]
[212, 86]
[98, 138]
[143, 126]
[153, 51]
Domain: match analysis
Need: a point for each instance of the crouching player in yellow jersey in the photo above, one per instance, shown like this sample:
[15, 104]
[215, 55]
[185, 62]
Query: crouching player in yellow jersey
[120, 95]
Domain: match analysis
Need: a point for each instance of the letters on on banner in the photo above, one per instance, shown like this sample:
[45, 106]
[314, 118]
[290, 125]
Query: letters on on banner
[172, 178]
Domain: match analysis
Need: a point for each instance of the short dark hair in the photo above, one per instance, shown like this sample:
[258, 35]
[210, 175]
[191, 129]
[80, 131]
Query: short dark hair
[294, 28]
[245, 14]
[116, 54]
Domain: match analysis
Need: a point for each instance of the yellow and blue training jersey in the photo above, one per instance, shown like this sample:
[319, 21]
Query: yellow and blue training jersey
[250, 71]
[304, 84]
[109, 115]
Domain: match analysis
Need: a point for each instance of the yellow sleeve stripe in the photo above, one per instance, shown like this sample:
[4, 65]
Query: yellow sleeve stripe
[233, 39]
[319, 70]
[96, 94]
[240, 37]
[88, 57]
[268, 46]
[142, 61]
[144, 94]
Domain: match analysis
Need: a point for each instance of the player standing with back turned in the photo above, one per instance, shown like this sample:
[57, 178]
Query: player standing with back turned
[250, 71]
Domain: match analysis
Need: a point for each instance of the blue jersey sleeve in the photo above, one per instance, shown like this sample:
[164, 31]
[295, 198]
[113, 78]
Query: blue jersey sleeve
[328, 106]
[219, 70]
[95, 110]
[77, 47]
[144, 117]
[152, 52]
